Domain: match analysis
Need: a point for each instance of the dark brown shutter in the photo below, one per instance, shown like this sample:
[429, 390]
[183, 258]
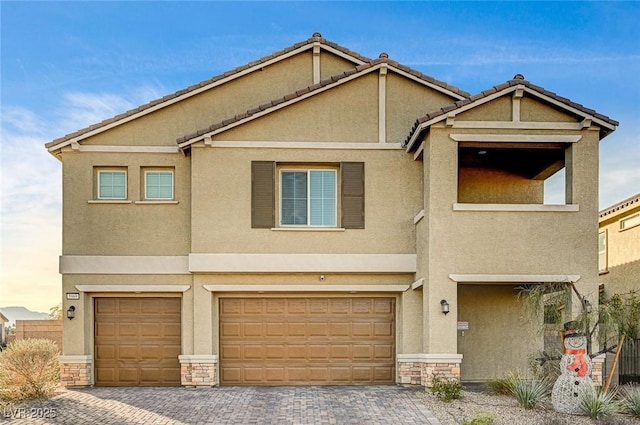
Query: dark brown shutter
[352, 177]
[262, 194]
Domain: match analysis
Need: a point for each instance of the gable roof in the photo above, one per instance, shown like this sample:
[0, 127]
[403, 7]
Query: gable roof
[631, 202]
[422, 124]
[336, 80]
[205, 85]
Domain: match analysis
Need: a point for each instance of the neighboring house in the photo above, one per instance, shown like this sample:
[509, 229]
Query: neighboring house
[3, 328]
[300, 220]
[619, 265]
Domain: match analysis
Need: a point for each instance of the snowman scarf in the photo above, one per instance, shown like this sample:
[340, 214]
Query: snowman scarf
[579, 364]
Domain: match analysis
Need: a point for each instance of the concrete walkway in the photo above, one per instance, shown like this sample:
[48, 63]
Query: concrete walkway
[369, 405]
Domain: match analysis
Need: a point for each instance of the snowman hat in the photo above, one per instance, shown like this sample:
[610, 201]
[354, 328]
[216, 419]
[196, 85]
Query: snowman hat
[570, 329]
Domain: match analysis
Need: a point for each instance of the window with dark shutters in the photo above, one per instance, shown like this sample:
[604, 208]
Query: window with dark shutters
[263, 195]
[263, 214]
[352, 195]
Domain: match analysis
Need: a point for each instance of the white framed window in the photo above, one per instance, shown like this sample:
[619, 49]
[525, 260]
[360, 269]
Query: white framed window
[602, 251]
[112, 184]
[308, 198]
[629, 222]
[158, 185]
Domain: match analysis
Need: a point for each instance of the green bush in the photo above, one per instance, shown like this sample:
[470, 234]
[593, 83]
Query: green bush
[597, 404]
[481, 419]
[630, 400]
[505, 384]
[446, 389]
[530, 393]
[29, 368]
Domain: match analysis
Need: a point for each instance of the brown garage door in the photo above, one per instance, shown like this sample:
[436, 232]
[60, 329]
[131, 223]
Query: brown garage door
[137, 341]
[278, 341]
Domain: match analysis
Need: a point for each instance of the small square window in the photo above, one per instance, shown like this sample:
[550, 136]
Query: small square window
[112, 184]
[158, 185]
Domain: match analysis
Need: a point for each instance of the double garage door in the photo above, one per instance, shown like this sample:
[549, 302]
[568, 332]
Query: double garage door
[315, 341]
[263, 341]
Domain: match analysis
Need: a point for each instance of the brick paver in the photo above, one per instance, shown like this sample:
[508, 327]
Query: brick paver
[228, 405]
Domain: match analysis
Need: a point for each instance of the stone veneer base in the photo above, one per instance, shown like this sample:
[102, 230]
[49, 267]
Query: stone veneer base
[199, 370]
[419, 369]
[597, 370]
[75, 371]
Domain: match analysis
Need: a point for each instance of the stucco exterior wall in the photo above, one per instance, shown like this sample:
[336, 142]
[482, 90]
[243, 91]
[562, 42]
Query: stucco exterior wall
[487, 186]
[124, 228]
[221, 190]
[500, 338]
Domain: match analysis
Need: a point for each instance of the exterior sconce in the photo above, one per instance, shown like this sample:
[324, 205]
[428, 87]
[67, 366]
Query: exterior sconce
[71, 312]
[445, 307]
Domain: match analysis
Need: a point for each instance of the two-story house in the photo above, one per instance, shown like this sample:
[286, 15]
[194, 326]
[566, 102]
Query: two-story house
[619, 265]
[300, 220]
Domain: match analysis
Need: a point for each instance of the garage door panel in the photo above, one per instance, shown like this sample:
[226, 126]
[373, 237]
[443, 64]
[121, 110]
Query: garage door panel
[382, 329]
[340, 328]
[307, 341]
[252, 330]
[137, 341]
[252, 352]
[275, 329]
[231, 330]
[296, 329]
[361, 329]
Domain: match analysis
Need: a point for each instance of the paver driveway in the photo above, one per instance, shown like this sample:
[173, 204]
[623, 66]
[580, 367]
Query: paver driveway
[230, 405]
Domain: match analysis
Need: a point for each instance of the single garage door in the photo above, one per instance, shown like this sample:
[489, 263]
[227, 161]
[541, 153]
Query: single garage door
[137, 341]
[315, 341]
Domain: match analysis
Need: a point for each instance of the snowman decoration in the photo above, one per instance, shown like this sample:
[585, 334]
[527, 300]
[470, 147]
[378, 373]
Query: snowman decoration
[574, 381]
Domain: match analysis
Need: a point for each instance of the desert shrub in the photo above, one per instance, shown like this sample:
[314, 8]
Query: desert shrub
[630, 400]
[446, 389]
[29, 368]
[530, 393]
[505, 384]
[597, 404]
[481, 419]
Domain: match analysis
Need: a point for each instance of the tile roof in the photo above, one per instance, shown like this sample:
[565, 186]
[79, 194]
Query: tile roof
[360, 69]
[633, 201]
[316, 38]
[518, 80]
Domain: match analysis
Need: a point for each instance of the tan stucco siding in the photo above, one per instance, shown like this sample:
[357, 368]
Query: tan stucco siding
[622, 252]
[222, 203]
[499, 109]
[164, 126]
[499, 338]
[347, 113]
[331, 65]
[498, 187]
[406, 101]
[533, 110]
[124, 229]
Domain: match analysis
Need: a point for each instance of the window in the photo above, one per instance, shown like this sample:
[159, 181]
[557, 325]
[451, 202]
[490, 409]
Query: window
[308, 198]
[602, 251]
[628, 222]
[158, 185]
[112, 184]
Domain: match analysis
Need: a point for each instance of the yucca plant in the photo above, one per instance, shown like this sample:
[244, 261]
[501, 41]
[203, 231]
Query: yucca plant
[598, 404]
[530, 393]
[630, 400]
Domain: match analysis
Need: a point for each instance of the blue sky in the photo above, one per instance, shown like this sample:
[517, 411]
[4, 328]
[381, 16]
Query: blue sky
[66, 65]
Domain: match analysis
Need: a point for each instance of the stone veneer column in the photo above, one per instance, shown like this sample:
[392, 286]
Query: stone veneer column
[199, 370]
[597, 370]
[76, 371]
[419, 369]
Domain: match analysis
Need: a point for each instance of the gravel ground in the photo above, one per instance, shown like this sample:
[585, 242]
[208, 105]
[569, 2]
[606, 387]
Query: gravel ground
[506, 411]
